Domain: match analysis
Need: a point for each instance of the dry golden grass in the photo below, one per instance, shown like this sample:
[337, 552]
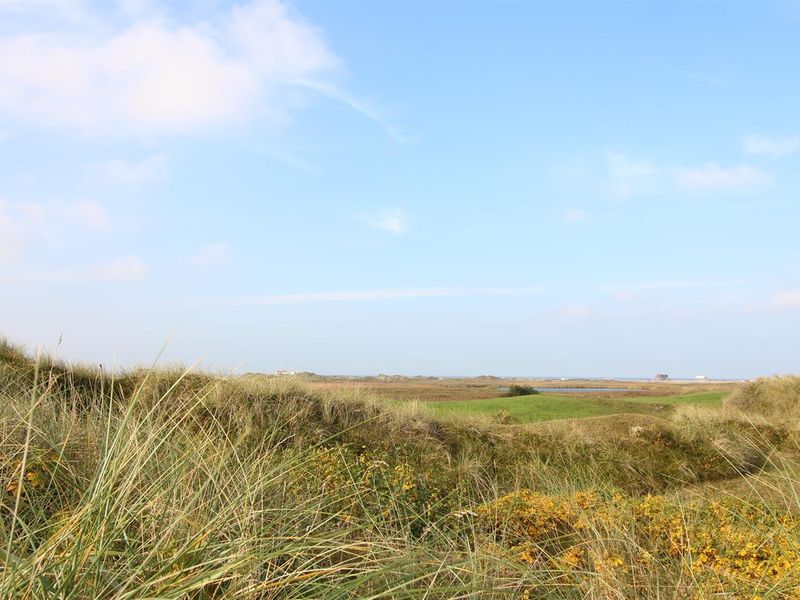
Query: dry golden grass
[776, 398]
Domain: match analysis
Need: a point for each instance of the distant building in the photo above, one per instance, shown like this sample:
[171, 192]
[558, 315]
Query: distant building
[282, 372]
[701, 377]
[661, 377]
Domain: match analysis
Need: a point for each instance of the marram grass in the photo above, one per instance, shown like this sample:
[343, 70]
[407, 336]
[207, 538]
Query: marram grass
[176, 485]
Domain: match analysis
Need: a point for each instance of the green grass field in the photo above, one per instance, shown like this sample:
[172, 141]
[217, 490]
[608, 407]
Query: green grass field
[541, 407]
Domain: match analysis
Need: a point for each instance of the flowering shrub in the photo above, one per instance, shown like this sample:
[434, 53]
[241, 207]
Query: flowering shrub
[721, 546]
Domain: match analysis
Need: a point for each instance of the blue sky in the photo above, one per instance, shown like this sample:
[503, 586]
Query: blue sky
[448, 188]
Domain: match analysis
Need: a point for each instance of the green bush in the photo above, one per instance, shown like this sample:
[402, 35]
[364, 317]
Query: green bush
[521, 390]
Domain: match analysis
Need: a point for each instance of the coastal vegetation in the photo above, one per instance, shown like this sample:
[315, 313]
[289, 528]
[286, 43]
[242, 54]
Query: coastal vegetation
[171, 483]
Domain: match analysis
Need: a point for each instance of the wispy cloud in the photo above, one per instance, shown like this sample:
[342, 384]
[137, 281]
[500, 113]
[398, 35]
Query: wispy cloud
[294, 161]
[575, 215]
[712, 176]
[91, 215]
[628, 178]
[775, 147]
[575, 312]
[389, 220]
[23, 224]
[674, 284]
[11, 239]
[705, 78]
[125, 269]
[127, 172]
[371, 295]
[128, 268]
[360, 105]
[68, 10]
[211, 255]
[778, 301]
[699, 292]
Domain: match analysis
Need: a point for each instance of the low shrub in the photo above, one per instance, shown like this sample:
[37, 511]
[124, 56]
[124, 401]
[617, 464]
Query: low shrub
[593, 540]
[520, 390]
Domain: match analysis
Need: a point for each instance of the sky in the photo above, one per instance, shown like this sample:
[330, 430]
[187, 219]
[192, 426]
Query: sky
[436, 188]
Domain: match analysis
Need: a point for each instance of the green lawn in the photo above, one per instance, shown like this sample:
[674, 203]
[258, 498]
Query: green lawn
[712, 399]
[529, 409]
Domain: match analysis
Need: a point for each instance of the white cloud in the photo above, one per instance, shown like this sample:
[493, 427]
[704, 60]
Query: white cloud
[214, 254]
[156, 76]
[575, 215]
[23, 224]
[770, 146]
[131, 172]
[712, 176]
[390, 220]
[277, 44]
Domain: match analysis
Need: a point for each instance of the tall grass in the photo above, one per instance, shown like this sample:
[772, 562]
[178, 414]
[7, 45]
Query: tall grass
[170, 484]
[777, 398]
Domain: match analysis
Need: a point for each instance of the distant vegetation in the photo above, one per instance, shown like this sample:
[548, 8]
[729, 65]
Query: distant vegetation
[520, 390]
[169, 484]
